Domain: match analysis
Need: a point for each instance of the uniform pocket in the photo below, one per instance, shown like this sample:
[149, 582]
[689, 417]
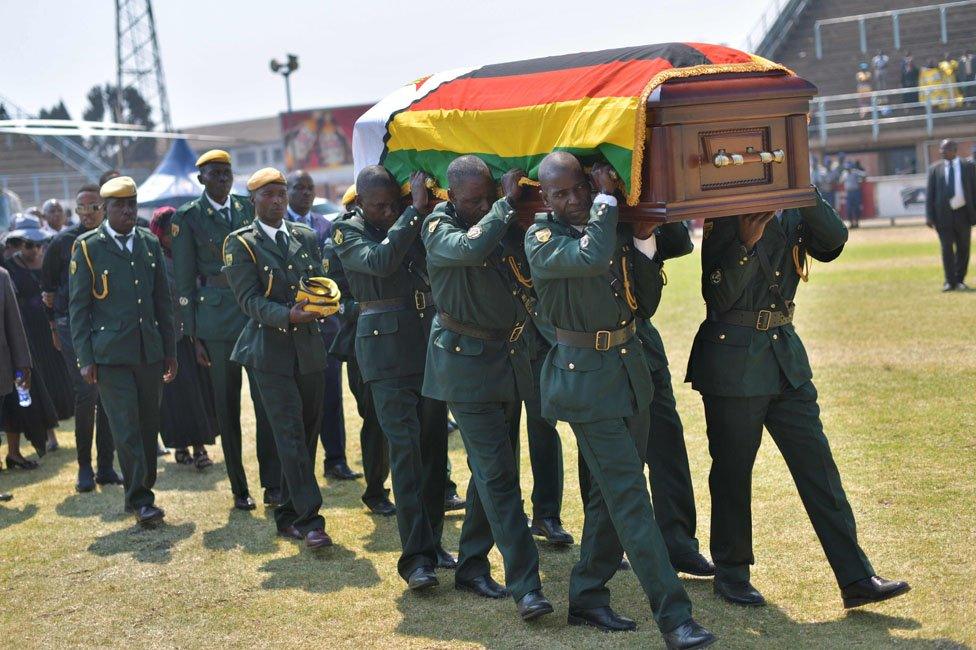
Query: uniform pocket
[377, 324]
[576, 359]
[103, 336]
[455, 343]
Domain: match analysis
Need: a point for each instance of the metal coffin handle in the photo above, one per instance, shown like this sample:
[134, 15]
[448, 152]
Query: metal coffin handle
[724, 159]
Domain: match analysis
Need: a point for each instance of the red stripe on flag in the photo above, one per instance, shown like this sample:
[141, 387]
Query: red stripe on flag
[721, 53]
[617, 79]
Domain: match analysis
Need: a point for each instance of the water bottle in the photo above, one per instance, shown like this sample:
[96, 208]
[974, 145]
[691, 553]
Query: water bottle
[23, 394]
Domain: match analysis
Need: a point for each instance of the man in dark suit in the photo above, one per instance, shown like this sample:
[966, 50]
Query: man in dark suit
[950, 208]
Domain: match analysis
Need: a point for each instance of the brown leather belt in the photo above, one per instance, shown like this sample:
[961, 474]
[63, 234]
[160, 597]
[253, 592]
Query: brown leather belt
[420, 301]
[761, 320]
[483, 333]
[602, 340]
[219, 281]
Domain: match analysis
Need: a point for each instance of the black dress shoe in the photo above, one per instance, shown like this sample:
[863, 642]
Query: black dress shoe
[602, 618]
[552, 530]
[291, 532]
[444, 559]
[484, 586]
[108, 477]
[696, 565]
[948, 286]
[872, 590]
[316, 539]
[244, 503]
[382, 507]
[533, 605]
[149, 515]
[272, 497]
[738, 593]
[688, 635]
[453, 502]
[86, 480]
[342, 472]
[6, 496]
[422, 578]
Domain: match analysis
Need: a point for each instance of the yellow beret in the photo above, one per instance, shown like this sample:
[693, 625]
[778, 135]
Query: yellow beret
[120, 187]
[349, 196]
[214, 155]
[263, 177]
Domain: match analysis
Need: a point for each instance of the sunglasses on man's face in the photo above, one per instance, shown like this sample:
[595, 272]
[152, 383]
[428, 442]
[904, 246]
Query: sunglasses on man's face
[87, 209]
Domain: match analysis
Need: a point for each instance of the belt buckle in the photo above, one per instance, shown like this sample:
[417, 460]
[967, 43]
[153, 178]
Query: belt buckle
[516, 333]
[762, 322]
[603, 340]
[419, 300]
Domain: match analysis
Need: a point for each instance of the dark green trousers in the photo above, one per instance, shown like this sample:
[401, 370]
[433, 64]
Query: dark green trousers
[618, 517]
[416, 431]
[545, 455]
[225, 376]
[130, 396]
[672, 492]
[376, 454]
[295, 408]
[735, 426]
[494, 514]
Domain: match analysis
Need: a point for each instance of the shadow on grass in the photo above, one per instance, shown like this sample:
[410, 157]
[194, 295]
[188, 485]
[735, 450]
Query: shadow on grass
[105, 502]
[384, 538]
[252, 534]
[320, 572]
[13, 516]
[49, 467]
[173, 476]
[152, 545]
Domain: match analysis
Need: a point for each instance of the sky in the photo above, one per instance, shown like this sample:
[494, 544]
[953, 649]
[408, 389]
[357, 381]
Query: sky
[215, 53]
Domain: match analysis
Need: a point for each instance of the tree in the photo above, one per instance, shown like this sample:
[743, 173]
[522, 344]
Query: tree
[104, 104]
[57, 112]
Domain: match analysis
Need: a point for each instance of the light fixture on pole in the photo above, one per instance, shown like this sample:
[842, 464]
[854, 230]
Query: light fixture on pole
[285, 70]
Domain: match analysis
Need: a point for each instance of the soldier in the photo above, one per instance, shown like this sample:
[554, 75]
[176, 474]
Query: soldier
[376, 455]
[478, 362]
[281, 344]
[121, 318]
[593, 280]
[386, 269]
[751, 368]
[213, 320]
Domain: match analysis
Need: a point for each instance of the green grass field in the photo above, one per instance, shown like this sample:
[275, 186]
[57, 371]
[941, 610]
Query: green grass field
[895, 364]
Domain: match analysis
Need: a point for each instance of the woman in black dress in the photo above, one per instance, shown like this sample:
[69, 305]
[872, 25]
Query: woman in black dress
[188, 418]
[36, 421]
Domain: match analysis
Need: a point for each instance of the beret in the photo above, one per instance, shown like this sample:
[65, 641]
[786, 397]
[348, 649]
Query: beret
[214, 155]
[263, 177]
[349, 196]
[120, 187]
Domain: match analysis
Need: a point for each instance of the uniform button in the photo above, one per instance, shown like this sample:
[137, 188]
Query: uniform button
[611, 262]
[102, 327]
[514, 293]
[721, 337]
[132, 263]
[777, 274]
[773, 306]
[511, 351]
[140, 320]
[289, 267]
[623, 322]
[292, 287]
[742, 263]
[616, 295]
[623, 350]
[139, 301]
[420, 313]
[457, 348]
[572, 366]
[137, 282]
[376, 332]
[775, 336]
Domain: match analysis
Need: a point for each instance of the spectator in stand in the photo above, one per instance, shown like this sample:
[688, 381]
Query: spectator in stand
[948, 67]
[852, 178]
[967, 72]
[909, 79]
[864, 88]
[880, 65]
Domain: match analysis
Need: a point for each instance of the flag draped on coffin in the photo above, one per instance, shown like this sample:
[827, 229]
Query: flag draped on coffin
[511, 115]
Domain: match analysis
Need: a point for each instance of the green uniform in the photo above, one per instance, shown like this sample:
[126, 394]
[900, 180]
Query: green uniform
[387, 274]
[591, 285]
[286, 360]
[121, 316]
[751, 368]
[478, 362]
[211, 314]
[376, 454]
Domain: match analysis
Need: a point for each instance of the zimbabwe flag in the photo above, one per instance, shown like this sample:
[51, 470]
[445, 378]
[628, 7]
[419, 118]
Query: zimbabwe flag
[592, 104]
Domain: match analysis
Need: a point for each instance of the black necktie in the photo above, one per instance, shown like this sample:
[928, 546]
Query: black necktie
[951, 181]
[282, 239]
[124, 241]
[225, 213]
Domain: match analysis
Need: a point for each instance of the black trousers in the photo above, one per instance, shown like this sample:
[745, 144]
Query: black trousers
[376, 453]
[954, 236]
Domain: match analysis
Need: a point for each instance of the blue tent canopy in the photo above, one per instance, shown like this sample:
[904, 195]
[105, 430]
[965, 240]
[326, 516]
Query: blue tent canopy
[174, 181]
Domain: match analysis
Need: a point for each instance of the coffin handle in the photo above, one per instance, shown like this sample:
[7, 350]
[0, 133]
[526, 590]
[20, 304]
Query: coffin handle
[725, 159]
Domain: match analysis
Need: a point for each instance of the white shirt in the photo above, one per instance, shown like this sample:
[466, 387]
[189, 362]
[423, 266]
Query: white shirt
[959, 199]
[272, 232]
[113, 235]
[646, 246]
[217, 206]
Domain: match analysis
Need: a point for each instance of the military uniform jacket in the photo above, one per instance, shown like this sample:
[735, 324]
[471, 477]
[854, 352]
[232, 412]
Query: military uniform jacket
[673, 240]
[473, 283]
[264, 283]
[344, 344]
[739, 361]
[585, 282]
[208, 308]
[383, 266]
[120, 306]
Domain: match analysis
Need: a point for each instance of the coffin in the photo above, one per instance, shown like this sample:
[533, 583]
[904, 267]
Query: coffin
[693, 130]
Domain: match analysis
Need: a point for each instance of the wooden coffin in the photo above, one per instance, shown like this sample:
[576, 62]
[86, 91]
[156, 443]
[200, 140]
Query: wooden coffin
[721, 145]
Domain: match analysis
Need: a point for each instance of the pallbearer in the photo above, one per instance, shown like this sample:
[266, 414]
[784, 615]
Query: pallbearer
[593, 280]
[121, 317]
[281, 344]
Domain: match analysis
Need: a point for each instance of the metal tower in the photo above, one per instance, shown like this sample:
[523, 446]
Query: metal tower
[137, 56]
